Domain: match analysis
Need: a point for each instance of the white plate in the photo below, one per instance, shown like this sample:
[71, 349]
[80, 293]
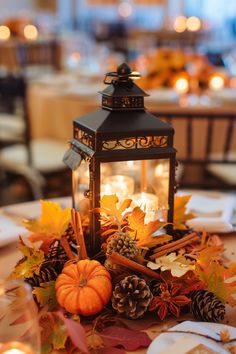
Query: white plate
[165, 340]
[214, 211]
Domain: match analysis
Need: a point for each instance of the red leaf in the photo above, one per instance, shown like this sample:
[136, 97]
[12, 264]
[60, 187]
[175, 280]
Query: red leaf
[129, 339]
[142, 325]
[108, 350]
[76, 333]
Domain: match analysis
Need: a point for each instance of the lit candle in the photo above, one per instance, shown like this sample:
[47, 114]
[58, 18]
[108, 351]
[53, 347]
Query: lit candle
[148, 202]
[122, 186]
[15, 348]
[216, 82]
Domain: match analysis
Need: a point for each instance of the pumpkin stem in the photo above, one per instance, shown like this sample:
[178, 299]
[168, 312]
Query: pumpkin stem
[82, 281]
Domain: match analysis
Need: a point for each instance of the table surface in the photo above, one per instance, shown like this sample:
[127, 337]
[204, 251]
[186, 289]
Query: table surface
[10, 254]
[56, 100]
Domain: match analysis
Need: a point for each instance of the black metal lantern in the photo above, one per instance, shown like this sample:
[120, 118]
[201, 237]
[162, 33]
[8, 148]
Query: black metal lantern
[122, 149]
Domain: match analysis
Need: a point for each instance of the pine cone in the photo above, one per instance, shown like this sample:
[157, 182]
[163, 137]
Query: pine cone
[123, 244]
[206, 306]
[131, 297]
[47, 273]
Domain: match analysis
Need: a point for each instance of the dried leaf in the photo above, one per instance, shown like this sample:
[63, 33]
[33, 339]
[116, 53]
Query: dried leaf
[53, 333]
[129, 339]
[224, 335]
[76, 333]
[52, 223]
[144, 232]
[178, 265]
[30, 264]
[217, 279]
[108, 350]
[109, 206]
[180, 215]
[46, 294]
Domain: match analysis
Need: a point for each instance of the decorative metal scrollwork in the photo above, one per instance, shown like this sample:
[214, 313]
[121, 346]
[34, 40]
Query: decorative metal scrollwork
[135, 143]
[84, 138]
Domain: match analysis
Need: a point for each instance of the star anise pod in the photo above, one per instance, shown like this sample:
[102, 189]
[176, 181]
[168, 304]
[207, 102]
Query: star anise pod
[169, 300]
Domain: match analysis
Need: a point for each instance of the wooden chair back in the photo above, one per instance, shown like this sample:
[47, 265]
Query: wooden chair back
[202, 139]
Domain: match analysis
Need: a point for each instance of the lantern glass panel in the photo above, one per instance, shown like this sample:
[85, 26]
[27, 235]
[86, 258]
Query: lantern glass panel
[80, 182]
[146, 182]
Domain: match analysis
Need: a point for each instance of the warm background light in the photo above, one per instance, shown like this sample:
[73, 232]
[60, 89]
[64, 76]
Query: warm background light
[4, 33]
[193, 24]
[125, 9]
[182, 85]
[180, 24]
[216, 82]
[30, 32]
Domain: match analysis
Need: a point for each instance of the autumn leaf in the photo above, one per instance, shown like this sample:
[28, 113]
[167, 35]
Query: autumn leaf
[52, 223]
[109, 206]
[53, 334]
[218, 279]
[30, 264]
[127, 338]
[178, 265]
[180, 214]
[45, 294]
[144, 232]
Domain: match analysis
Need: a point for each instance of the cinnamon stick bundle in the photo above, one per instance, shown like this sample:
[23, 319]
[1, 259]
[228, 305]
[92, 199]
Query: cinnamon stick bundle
[78, 230]
[128, 263]
[174, 246]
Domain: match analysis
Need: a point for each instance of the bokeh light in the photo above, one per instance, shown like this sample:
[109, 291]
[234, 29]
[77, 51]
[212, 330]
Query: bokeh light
[193, 24]
[125, 9]
[216, 82]
[182, 85]
[4, 33]
[30, 32]
[180, 24]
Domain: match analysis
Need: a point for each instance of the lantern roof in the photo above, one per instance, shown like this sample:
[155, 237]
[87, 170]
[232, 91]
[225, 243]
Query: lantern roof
[125, 123]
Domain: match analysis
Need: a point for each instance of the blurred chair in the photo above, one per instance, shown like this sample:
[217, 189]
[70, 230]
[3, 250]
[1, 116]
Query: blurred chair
[30, 57]
[206, 148]
[35, 160]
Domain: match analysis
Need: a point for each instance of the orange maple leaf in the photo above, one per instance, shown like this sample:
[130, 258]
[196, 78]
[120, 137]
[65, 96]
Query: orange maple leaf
[144, 232]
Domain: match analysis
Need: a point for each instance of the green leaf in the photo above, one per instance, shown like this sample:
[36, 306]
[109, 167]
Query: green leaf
[46, 294]
[46, 348]
[30, 264]
[59, 336]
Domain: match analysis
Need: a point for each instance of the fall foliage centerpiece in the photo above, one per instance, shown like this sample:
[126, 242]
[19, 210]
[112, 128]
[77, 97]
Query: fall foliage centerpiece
[87, 301]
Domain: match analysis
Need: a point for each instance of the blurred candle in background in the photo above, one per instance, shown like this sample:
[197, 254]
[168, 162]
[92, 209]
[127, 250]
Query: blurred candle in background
[15, 348]
[122, 186]
[216, 82]
[148, 202]
[181, 85]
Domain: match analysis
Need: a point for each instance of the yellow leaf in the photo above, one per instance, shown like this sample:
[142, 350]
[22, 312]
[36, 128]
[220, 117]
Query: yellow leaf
[52, 223]
[180, 215]
[109, 206]
[143, 232]
[30, 264]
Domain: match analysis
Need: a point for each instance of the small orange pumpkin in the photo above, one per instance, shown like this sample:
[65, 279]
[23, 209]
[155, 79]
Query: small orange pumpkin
[84, 287]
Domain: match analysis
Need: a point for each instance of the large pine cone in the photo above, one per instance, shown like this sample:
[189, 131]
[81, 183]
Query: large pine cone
[131, 297]
[205, 306]
[123, 244]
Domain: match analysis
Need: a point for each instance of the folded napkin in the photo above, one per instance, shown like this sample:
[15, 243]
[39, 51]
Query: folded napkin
[212, 330]
[9, 231]
[213, 214]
